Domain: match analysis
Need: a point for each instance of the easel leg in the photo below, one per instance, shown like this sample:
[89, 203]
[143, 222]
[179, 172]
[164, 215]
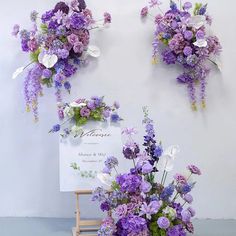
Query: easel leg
[77, 230]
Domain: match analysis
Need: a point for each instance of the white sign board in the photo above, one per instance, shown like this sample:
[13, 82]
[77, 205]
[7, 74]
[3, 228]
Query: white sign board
[88, 152]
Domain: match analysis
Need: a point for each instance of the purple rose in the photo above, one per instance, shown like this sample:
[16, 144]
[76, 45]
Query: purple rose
[163, 222]
[200, 34]
[62, 53]
[85, 112]
[78, 47]
[188, 34]
[73, 39]
[187, 51]
[47, 73]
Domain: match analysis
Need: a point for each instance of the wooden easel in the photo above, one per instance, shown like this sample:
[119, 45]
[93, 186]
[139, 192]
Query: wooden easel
[84, 225]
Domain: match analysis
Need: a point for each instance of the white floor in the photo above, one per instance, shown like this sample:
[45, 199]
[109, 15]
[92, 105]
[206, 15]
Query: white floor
[62, 227]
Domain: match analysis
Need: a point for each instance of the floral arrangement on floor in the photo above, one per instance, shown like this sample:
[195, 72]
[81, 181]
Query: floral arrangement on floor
[58, 44]
[76, 114]
[184, 38]
[139, 202]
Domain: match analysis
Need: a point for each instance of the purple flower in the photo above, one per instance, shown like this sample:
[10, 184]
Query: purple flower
[67, 85]
[47, 16]
[106, 113]
[121, 211]
[202, 10]
[144, 12]
[187, 6]
[105, 206]
[72, 39]
[180, 179]
[188, 34]
[131, 150]
[150, 209]
[111, 162]
[116, 105]
[188, 198]
[163, 222]
[184, 78]
[62, 53]
[145, 186]
[78, 21]
[194, 169]
[167, 192]
[78, 47]
[98, 194]
[189, 227]
[61, 6]
[186, 216]
[147, 168]
[187, 51]
[168, 56]
[107, 18]
[115, 117]
[16, 29]
[176, 230]
[58, 16]
[200, 34]
[192, 211]
[47, 73]
[56, 128]
[85, 112]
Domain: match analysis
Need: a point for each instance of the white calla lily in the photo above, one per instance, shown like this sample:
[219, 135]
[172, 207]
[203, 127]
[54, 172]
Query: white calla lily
[75, 104]
[105, 179]
[18, 72]
[196, 21]
[93, 51]
[49, 60]
[168, 157]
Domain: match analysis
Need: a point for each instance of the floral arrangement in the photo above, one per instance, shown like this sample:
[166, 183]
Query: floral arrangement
[58, 43]
[76, 114]
[138, 204]
[184, 38]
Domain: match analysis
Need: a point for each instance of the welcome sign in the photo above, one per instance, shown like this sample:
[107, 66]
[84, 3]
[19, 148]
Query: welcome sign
[82, 158]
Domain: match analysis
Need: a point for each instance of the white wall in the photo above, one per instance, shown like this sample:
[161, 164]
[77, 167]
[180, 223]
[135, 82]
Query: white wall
[29, 178]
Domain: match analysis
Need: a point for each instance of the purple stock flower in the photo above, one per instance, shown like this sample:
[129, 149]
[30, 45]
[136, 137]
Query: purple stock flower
[121, 211]
[78, 20]
[145, 186]
[163, 222]
[167, 192]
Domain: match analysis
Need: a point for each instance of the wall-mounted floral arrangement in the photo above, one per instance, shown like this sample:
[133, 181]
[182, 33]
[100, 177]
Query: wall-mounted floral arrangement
[58, 44]
[183, 37]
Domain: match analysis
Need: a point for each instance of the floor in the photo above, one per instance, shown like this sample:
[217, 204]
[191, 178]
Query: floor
[62, 227]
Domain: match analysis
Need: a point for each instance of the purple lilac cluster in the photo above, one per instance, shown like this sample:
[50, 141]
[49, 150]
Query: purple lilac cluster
[76, 114]
[58, 44]
[182, 37]
[136, 203]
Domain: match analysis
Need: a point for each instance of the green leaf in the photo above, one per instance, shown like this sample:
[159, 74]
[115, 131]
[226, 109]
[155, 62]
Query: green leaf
[34, 55]
[44, 28]
[197, 8]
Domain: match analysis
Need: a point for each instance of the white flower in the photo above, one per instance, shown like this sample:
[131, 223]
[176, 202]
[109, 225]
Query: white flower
[76, 130]
[168, 157]
[106, 180]
[75, 104]
[201, 43]
[17, 72]
[196, 21]
[94, 51]
[171, 212]
[69, 111]
[47, 60]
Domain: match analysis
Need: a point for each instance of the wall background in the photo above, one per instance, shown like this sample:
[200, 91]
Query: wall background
[29, 176]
